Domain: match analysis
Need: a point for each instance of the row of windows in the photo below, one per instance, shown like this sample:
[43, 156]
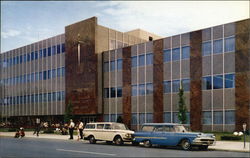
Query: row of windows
[113, 117]
[141, 60]
[53, 50]
[112, 92]
[229, 46]
[113, 67]
[142, 89]
[141, 119]
[167, 117]
[218, 117]
[36, 76]
[176, 85]
[34, 98]
[175, 56]
[229, 81]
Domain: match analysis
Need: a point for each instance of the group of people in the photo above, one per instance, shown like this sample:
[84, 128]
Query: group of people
[78, 127]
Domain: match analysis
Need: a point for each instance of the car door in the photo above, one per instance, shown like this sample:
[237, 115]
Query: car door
[168, 133]
[99, 134]
[159, 135]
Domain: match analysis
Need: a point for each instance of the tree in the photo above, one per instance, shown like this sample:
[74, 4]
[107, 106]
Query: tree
[182, 114]
[68, 112]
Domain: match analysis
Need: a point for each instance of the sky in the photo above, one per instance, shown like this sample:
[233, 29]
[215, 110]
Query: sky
[26, 22]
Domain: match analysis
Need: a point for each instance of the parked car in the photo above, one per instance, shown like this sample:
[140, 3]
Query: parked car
[107, 131]
[169, 134]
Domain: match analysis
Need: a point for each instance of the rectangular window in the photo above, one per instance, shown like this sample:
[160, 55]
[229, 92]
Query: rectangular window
[44, 52]
[63, 48]
[167, 55]
[32, 56]
[54, 50]
[28, 78]
[24, 58]
[229, 80]
[141, 89]
[24, 78]
[17, 59]
[63, 71]
[113, 92]
[149, 88]
[49, 51]
[63, 95]
[134, 90]
[49, 74]
[206, 83]
[186, 84]
[36, 76]
[58, 49]
[176, 54]
[207, 118]
[119, 64]
[58, 72]
[185, 52]
[230, 117]
[119, 91]
[218, 81]
[40, 53]
[218, 119]
[36, 98]
[167, 86]
[167, 117]
[134, 119]
[176, 85]
[218, 46]
[44, 75]
[141, 60]
[54, 96]
[44, 97]
[21, 59]
[149, 59]
[206, 48]
[36, 55]
[106, 92]
[112, 65]
[40, 97]
[106, 66]
[32, 77]
[32, 98]
[53, 73]
[229, 44]
[134, 61]
[40, 75]
[59, 98]
[28, 57]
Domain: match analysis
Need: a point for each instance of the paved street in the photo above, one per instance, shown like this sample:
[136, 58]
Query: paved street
[33, 147]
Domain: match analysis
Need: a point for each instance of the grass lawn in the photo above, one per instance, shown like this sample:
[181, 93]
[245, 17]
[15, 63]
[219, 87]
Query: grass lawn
[219, 134]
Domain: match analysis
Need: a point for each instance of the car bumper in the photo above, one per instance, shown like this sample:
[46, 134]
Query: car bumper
[204, 142]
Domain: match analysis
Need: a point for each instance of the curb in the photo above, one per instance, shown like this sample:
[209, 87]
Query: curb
[234, 150]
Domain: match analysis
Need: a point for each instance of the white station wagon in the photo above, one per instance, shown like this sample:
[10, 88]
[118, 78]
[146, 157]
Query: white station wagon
[107, 131]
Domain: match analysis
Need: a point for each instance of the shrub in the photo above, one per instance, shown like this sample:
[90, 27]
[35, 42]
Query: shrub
[230, 137]
[49, 130]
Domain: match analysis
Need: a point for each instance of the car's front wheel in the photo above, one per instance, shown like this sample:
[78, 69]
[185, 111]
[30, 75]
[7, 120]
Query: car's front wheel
[185, 144]
[118, 140]
[147, 143]
[92, 140]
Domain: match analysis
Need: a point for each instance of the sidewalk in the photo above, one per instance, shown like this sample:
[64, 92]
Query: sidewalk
[220, 145]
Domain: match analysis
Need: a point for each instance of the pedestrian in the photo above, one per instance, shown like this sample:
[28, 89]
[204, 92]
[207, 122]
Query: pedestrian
[37, 127]
[22, 134]
[71, 128]
[81, 129]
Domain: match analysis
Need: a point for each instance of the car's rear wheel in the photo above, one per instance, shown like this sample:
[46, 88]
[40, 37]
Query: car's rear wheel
[147, 143]
[118, 140]
[92, 140]
[185, 144]
[203, 147]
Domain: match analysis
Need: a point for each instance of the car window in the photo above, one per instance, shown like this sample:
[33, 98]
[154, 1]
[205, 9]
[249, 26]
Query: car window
[107, 126]
[159, 129]
[169, 129]
[180, 129]
[148, 128]
[100, 126]
[120, 126]
[90, 126]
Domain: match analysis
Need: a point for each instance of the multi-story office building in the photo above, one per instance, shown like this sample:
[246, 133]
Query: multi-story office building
[106, 74]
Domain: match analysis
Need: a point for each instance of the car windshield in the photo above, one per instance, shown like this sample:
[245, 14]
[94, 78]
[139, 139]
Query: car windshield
[120, 126]
[180, 128]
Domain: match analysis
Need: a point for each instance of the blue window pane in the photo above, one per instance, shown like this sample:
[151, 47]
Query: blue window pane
[45, 97]
[141, 118]
[54, 96]
[134, 61]
[40, 53]
[49, 51]
[230, 117]
[207, 83]
[44, 75]
[58, 49]
[149, 88]
[167, 55]
[142, 89]
[21, 59]
[186, 84]
[36, 98]
[53, 50]
[17, 60]
[175, 117]
[63, 95]
[32, 56]
[119, 64]
[63, 71]
[176, 85]
[36, 76]
[141, 60]
[207, 118]
[167, 86]
[134, 119]
[28, 57]
[218, 117]
[40, 75]
[28, 78]
[218, 81]
[218, 46]
[40, 97]
[106, 92]
[36, 55]
[185, 52]
[134, 90]
[49, 74]
[113, 93]
[119, 91]
[59, 98]
[32, 78]
[44, 52]
[230, 44]
[229, 80]
[53, 73]
[176, 54]
[149, 59]
[206, 48]
[149, 118]
[24, 78]
[112, 65]
[63, 48]
[58, 72]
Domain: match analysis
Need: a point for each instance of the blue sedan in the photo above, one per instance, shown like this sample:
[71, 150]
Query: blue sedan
[169, 134]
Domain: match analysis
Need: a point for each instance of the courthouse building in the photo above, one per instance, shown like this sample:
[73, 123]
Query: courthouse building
[105, 74]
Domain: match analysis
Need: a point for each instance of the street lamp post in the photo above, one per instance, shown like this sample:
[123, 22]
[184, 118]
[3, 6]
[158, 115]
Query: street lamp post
[244, 130]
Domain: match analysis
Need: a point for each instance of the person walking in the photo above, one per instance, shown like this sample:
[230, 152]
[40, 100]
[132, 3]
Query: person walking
[37, 127]
[71, 128]
[81, 129]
